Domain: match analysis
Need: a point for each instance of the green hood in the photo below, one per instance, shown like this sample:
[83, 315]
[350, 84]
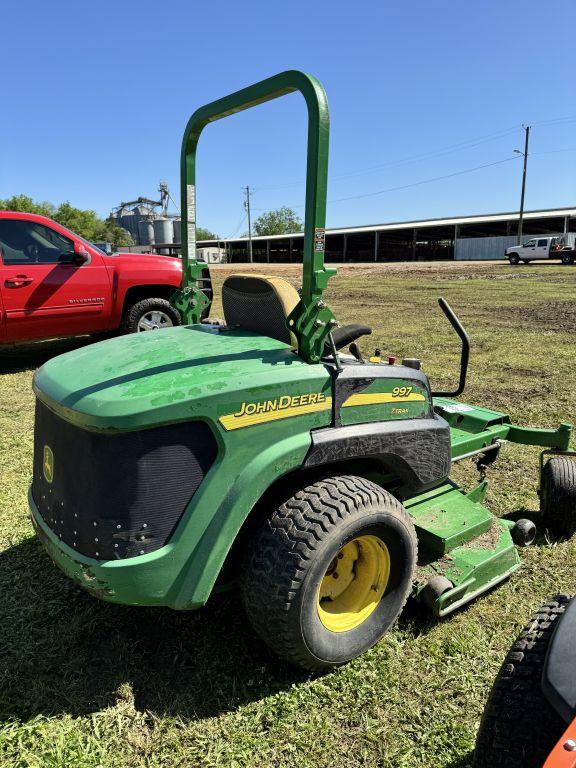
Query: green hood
[149, 379]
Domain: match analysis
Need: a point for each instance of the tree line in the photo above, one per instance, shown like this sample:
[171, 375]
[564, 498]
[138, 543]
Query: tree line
[87, 223]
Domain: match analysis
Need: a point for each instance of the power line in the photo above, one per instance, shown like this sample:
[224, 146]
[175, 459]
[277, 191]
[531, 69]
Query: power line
[407, 186]
[460, 146]
[242, 220]
[556, 121]
[424, 181]
[430, 155]
[553, 151]
[449, 149]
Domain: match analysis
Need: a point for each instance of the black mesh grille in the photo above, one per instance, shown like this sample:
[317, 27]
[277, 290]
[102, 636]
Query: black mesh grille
[253, 304]
[117, 496]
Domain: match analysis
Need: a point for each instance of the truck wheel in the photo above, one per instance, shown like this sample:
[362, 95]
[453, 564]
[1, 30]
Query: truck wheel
[150, 315]
[558, 496]
[567, 258]
[519, 727]
[514, 258]
[329, 571]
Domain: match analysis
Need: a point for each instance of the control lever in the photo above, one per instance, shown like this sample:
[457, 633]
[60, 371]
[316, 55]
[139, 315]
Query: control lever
[459, 328]
[354, 349]
[377, 356]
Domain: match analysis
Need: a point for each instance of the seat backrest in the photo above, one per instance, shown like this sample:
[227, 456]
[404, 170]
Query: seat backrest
[260, 304]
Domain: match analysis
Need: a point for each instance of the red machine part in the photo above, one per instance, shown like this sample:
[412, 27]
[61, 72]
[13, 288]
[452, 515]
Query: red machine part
[564, 753]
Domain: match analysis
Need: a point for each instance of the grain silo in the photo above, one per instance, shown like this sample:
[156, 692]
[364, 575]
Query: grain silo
[146, 232]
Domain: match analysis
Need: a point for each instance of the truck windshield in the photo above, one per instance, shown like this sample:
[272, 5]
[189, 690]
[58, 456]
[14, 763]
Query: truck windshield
[88, 243]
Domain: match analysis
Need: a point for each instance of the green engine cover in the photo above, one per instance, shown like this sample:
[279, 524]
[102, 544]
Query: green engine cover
[259, 398]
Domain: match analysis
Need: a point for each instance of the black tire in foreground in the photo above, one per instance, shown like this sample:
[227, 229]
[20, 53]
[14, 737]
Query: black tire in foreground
[568, 258]
[558, 496]
[150, 315]
[519, 728]
[514, 258]
[329, 571]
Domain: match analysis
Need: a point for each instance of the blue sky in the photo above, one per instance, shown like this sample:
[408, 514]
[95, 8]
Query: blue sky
[95, 97]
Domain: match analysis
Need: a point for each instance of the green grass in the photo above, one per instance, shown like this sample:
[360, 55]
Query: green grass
[84, 683]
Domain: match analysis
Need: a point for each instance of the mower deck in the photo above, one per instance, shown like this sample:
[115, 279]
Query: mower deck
[459, 539]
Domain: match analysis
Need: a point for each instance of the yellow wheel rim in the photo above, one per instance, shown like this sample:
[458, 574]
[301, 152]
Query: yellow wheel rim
[354, 583]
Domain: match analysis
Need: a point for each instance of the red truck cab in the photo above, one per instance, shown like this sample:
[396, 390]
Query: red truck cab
[54, 283]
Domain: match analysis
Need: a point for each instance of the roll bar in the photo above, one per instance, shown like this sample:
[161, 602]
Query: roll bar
[311, 321]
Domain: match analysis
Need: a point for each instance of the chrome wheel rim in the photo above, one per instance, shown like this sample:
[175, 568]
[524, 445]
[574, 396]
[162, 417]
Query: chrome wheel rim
[154, 320]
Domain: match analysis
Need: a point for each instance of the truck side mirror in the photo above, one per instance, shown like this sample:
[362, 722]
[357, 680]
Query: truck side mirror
[81, 255]
[76, 257]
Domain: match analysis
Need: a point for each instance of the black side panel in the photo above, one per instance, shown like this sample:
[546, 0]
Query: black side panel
[559, 677]
[417, 450]
[356, 377]
[117, 496]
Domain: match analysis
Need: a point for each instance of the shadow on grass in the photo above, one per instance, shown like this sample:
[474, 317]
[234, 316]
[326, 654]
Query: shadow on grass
[63, 651]
[543, 536]
[17, 358]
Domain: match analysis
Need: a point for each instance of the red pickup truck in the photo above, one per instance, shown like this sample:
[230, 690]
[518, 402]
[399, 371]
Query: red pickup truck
[55, 283]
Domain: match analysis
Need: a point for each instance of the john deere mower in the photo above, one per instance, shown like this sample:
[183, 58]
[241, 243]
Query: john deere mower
[257, 452]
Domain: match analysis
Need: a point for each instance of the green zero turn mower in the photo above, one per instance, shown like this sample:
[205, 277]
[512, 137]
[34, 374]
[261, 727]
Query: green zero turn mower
[168, 465]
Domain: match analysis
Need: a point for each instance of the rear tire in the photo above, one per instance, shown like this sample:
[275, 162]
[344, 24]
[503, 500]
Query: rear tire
[519, 727]
[567, 258]
[558, 496]
[156, 313]
[514, 259]
[329, 571]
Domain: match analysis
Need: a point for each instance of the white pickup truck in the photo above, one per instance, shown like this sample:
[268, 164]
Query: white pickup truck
[562, 247]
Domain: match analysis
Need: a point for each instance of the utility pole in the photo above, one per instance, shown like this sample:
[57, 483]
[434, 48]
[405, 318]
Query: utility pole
[247, 206]
[525, 154]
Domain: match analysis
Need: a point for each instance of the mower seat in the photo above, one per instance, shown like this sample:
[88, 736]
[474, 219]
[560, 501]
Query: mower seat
[261, 304]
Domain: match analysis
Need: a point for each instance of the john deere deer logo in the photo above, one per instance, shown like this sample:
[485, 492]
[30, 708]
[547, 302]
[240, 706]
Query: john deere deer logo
[48, 464]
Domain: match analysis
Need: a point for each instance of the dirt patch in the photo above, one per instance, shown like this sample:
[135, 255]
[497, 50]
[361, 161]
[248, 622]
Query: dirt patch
[558, 316]
[488, 540]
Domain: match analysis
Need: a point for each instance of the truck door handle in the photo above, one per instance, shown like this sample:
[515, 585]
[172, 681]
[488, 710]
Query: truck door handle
[18, 281]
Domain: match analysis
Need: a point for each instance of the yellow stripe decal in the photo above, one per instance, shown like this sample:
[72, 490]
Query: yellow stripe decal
[375, 398]
[251, 414]
[232, 421]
